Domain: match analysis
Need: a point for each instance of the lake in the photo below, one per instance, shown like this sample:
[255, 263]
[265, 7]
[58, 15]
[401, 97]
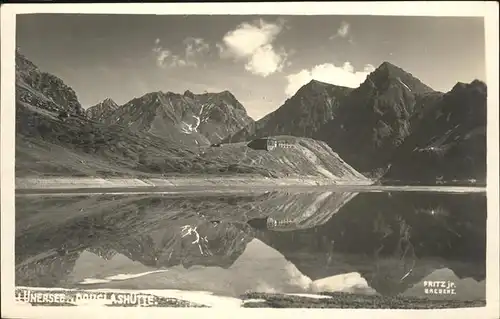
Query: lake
[297, 243]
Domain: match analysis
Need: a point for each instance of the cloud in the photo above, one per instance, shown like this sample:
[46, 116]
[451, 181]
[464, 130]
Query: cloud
[343, 31]
[265, 61]
[338, 75]
[194, 50]
[165, 58]
[253, 44]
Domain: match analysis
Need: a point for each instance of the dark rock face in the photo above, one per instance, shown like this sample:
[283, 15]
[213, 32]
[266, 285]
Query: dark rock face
[449, 141]
[375, 118]
[302, 115]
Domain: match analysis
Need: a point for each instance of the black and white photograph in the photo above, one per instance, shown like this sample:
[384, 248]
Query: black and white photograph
[229, 161]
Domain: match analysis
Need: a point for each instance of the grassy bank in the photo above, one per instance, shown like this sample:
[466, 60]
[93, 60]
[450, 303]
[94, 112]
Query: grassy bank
[346, 300]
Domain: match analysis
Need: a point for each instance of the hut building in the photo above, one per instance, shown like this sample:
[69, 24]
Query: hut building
[266, 144]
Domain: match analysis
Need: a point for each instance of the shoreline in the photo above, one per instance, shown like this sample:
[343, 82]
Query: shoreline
[174, 182]
[79, 185]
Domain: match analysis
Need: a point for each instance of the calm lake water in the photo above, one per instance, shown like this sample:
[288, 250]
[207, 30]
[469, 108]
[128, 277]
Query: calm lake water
[386, 243]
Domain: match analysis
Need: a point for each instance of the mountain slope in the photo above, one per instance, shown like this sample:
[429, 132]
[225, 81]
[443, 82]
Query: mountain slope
[302, 115]
[306, 157]
[449, 143]
[101, 110]
[205, 118]
[47, 145]
[375, 118]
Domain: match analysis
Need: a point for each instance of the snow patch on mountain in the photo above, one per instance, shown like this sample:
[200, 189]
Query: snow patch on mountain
[406, 86]
[187, 128]
[198, 121]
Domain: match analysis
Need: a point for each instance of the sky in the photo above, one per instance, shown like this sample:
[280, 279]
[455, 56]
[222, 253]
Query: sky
[262, 60]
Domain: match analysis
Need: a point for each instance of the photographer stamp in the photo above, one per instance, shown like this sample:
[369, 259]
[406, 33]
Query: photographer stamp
[436, 287]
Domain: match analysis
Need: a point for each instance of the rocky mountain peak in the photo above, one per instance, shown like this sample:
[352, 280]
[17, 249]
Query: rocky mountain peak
[102, 109]
[314, 86]
[109, 101]
[388, 73]
[189, 94]
[475, 84]
[57, 95]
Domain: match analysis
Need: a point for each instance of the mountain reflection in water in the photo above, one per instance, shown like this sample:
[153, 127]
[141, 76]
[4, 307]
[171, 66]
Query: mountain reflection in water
[308, 242]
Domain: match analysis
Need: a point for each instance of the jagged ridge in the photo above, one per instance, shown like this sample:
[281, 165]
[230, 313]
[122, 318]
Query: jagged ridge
[207, 118]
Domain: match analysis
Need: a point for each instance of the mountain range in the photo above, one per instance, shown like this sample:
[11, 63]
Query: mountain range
[393, 128]
[154, 135]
